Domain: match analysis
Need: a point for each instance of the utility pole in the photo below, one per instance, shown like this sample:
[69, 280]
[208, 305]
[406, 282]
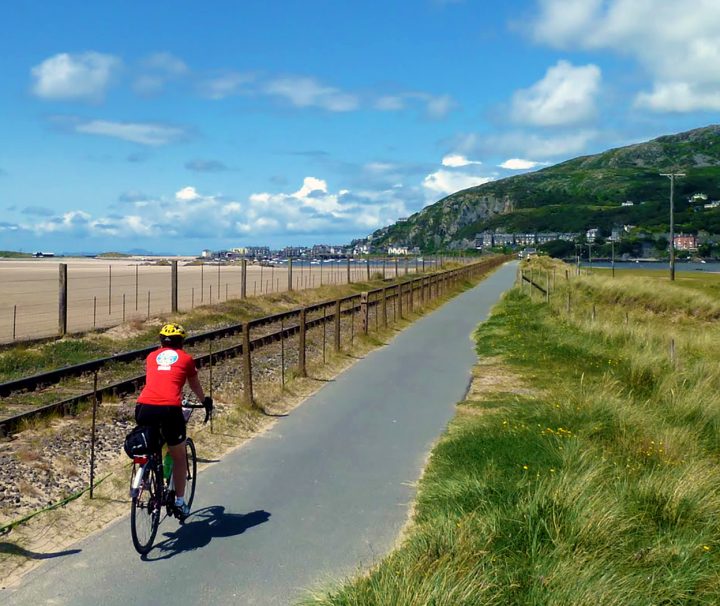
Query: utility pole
[672, 176]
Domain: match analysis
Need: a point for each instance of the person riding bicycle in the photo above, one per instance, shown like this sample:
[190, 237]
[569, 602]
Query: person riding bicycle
[160, 402]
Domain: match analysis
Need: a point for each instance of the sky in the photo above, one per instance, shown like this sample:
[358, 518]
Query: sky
[179, 126]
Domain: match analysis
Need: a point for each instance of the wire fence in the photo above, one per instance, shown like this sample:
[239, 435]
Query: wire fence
[288, 347]
[99, 294]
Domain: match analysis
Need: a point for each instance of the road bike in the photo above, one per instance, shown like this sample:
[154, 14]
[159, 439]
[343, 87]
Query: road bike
[152, 487]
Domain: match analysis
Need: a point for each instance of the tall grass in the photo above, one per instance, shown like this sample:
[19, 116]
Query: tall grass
[602, 487]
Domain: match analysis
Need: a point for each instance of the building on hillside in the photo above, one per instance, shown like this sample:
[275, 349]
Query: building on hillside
[525, 239]
[628, 203]
[592, 233]
[484, 240]
[503, 239]
[685, 242]
[206, 254]
[546, 236]
[397, 250]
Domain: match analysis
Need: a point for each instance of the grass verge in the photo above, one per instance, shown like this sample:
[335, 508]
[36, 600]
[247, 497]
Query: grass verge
[582, 468]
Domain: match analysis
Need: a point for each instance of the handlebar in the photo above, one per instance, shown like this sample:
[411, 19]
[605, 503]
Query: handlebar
[187, 404]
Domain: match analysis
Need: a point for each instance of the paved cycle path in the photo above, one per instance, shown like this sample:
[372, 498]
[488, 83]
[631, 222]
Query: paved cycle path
[321, 495]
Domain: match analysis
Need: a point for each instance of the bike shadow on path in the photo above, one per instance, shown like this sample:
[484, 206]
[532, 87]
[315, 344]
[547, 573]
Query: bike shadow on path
[201, 527]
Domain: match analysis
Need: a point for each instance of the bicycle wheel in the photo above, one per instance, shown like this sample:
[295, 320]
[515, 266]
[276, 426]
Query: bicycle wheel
[145, 510]
[191, 471]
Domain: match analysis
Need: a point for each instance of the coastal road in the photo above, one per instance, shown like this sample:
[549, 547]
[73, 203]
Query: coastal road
[321, 495]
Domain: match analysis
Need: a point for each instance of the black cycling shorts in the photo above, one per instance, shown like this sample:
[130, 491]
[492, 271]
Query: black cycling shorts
[169, 419]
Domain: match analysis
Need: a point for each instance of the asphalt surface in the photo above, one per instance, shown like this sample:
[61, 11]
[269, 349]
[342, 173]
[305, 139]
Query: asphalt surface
[321, 496]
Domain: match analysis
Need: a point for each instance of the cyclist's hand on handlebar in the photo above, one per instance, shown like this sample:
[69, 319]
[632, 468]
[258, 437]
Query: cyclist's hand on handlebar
[208, 404]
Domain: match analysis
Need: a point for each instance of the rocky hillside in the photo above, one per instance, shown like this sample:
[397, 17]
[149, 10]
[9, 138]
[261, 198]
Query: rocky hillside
[578, 194]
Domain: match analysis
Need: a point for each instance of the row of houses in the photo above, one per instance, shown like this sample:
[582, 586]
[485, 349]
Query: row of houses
[489, 239]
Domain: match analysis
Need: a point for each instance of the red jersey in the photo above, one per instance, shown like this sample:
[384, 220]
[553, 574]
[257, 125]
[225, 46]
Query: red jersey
[167, 370]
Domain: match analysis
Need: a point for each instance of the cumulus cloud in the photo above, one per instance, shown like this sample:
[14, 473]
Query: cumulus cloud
[153, 135]
[83, 76]
[457, 160]
[675, 43]
[445, 182]
[520, 164]
[566, 95]
[308, 92]
[186, 194]
[679, 97]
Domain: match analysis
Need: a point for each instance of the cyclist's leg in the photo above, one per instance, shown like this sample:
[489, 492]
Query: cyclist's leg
[174, 431]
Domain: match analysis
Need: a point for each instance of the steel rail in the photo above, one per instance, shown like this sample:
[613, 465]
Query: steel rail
[132, 384]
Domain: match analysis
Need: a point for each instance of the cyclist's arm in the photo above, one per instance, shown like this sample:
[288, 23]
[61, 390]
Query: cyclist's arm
[194, 383]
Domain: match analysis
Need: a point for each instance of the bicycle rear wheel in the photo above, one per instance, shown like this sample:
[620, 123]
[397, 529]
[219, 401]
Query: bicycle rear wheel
[191, 471]
[145, 510]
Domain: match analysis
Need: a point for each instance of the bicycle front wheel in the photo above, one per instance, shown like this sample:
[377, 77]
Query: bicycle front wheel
[191, 471]
[145, 510]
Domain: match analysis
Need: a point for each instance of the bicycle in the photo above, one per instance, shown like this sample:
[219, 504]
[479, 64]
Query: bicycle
[152, 488]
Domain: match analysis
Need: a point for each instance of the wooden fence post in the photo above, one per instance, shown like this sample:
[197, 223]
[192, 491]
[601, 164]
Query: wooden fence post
[368, 268]
[243, 279]
[247, 366]
[302, 370]
[62, 300]
[174, 287]
[400, 300]
[411, 304]
[364, 312]
[290, 282]
[349, 279]
[384, 307]
[337, 325]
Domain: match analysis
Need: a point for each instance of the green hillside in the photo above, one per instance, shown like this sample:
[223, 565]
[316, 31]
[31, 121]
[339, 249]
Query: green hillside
[579, 194]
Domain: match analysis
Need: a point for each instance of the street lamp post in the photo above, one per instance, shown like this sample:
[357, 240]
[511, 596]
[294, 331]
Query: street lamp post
[672, 176]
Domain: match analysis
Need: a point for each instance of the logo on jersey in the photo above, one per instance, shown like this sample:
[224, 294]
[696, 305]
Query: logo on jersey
[165, 359]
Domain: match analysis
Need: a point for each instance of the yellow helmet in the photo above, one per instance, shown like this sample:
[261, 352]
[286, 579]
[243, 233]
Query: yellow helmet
[172, 330]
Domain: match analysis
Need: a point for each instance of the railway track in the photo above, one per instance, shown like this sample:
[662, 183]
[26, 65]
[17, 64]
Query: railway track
[272, 329]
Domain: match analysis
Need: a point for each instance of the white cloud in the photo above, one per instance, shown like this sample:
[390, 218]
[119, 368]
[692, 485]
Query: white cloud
[83, 76]
[457, 160]
[679, 97]
[390, 103]
[435, 106]
[520, 164]
[225, 85]
[439, 107]
[186, 194]
[158, 70]
[533, 145]
[165, 62]
[566, 95]
[308, 92]
[145, 134]
[675, 42]
[446, 182]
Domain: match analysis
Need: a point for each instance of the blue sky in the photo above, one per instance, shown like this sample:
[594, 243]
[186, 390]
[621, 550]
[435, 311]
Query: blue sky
[178, 126]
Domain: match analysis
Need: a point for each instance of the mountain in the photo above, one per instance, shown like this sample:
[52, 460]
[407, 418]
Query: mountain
[579, 194]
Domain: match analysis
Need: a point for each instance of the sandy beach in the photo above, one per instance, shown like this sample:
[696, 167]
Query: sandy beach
[106, 292]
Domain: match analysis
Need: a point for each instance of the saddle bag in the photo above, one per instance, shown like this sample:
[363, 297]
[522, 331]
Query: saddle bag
[142, 440]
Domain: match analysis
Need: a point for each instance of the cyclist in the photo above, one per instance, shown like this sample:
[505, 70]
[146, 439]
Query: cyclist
[160, 402]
